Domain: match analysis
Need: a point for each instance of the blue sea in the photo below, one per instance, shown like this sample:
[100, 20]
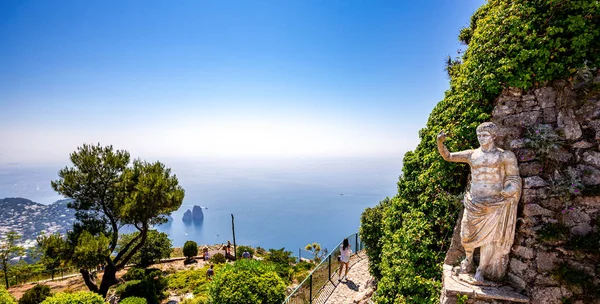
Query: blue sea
[275, 202]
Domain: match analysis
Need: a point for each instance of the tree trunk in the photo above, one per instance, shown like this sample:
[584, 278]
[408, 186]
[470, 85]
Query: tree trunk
[6, 276]
[109, 278]
[91, 285]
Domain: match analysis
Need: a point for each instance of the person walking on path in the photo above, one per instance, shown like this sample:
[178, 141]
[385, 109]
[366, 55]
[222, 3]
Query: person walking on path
[210, 272]
[345, 253]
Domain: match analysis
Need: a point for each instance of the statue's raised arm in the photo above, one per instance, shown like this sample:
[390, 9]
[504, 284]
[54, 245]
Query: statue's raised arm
[456, 157]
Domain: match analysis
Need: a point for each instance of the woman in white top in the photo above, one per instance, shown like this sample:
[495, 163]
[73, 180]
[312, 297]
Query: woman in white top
[345, 253]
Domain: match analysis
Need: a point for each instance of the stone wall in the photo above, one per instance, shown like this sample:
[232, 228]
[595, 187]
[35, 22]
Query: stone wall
[555, 133]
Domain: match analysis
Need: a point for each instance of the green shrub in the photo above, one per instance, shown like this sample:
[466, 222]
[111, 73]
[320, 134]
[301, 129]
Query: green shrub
[218, 258]
[133, 300]
[135, 273]
[6, 297]
[149, 285]
[192, 280]
[196, 300]
[190, 249]
[371, 232]
[300, 271]
[35, 295]
[247, 281]
[511, 43]
[138, 288]
[82, 297]
[156, 247]
[241, 249]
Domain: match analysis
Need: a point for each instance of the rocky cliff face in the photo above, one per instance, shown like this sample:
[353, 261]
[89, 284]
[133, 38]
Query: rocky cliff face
[555, 133]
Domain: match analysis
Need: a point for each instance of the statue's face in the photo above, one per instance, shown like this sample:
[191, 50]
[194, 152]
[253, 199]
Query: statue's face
[485, 138]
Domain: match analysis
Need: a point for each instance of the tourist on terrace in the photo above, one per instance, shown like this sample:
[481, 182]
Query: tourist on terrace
[344, 258]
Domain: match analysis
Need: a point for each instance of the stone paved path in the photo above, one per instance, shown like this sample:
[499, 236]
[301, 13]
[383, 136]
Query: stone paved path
[356, 287]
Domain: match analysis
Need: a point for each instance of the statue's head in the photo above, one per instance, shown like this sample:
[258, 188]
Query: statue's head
[486, 133]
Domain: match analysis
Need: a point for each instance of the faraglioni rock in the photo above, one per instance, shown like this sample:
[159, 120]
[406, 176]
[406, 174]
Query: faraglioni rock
[187, 216]
[197, 214]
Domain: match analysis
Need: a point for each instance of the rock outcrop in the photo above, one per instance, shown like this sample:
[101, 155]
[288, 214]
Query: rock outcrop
[197, 214]
[187, 216]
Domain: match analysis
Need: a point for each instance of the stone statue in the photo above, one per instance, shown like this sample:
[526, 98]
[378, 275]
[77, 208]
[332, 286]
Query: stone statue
[490, 203]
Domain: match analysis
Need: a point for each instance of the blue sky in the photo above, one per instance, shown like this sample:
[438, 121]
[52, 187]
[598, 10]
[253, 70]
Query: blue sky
[193, 79]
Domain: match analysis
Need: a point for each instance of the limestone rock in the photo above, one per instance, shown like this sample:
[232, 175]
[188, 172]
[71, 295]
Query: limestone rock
[582, 145]
[578, 221]
[517, 267]
[505, 106]
[534, 182]
[517, 282]
[546, 97]
[570, 126]
[561, 155]
[528, 101]
[588, 268]
[548, 295]
[547, 261]
[524, 155]
[588, 201]
[592, 158]
[595, 124]
[519, 143]
[546, 280]
[535, 210]
[552, 204]
[529, 196]
[530, 168]
[523, 252]
[566, 98]
[549, 115]
[522, 119]
[589, 175]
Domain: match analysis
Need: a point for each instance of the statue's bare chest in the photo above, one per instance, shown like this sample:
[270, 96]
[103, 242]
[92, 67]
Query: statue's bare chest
[490, 160]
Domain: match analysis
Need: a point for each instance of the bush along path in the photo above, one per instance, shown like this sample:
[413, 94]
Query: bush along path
[357, 287]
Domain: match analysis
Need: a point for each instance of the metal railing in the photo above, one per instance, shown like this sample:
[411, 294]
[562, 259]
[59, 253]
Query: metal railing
[40, 276]
[315, 288]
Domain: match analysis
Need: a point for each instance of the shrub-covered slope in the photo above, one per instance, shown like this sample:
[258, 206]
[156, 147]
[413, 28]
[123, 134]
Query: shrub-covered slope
[520, 44]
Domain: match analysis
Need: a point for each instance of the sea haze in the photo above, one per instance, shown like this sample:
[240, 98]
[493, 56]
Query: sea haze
[276, 203]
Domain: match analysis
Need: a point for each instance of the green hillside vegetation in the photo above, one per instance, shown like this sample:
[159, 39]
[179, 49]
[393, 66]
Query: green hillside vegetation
[520, 44]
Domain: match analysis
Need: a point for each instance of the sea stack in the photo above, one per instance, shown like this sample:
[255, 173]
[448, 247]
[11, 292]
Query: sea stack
[197, 214]
[187, 216]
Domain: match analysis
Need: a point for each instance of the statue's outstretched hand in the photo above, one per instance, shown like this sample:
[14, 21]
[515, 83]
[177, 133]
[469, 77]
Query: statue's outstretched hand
[441, 136]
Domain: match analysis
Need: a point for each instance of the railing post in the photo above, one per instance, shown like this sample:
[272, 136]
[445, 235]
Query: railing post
[310, 289]
[329, 266]
[299, 255]
[356, 242]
